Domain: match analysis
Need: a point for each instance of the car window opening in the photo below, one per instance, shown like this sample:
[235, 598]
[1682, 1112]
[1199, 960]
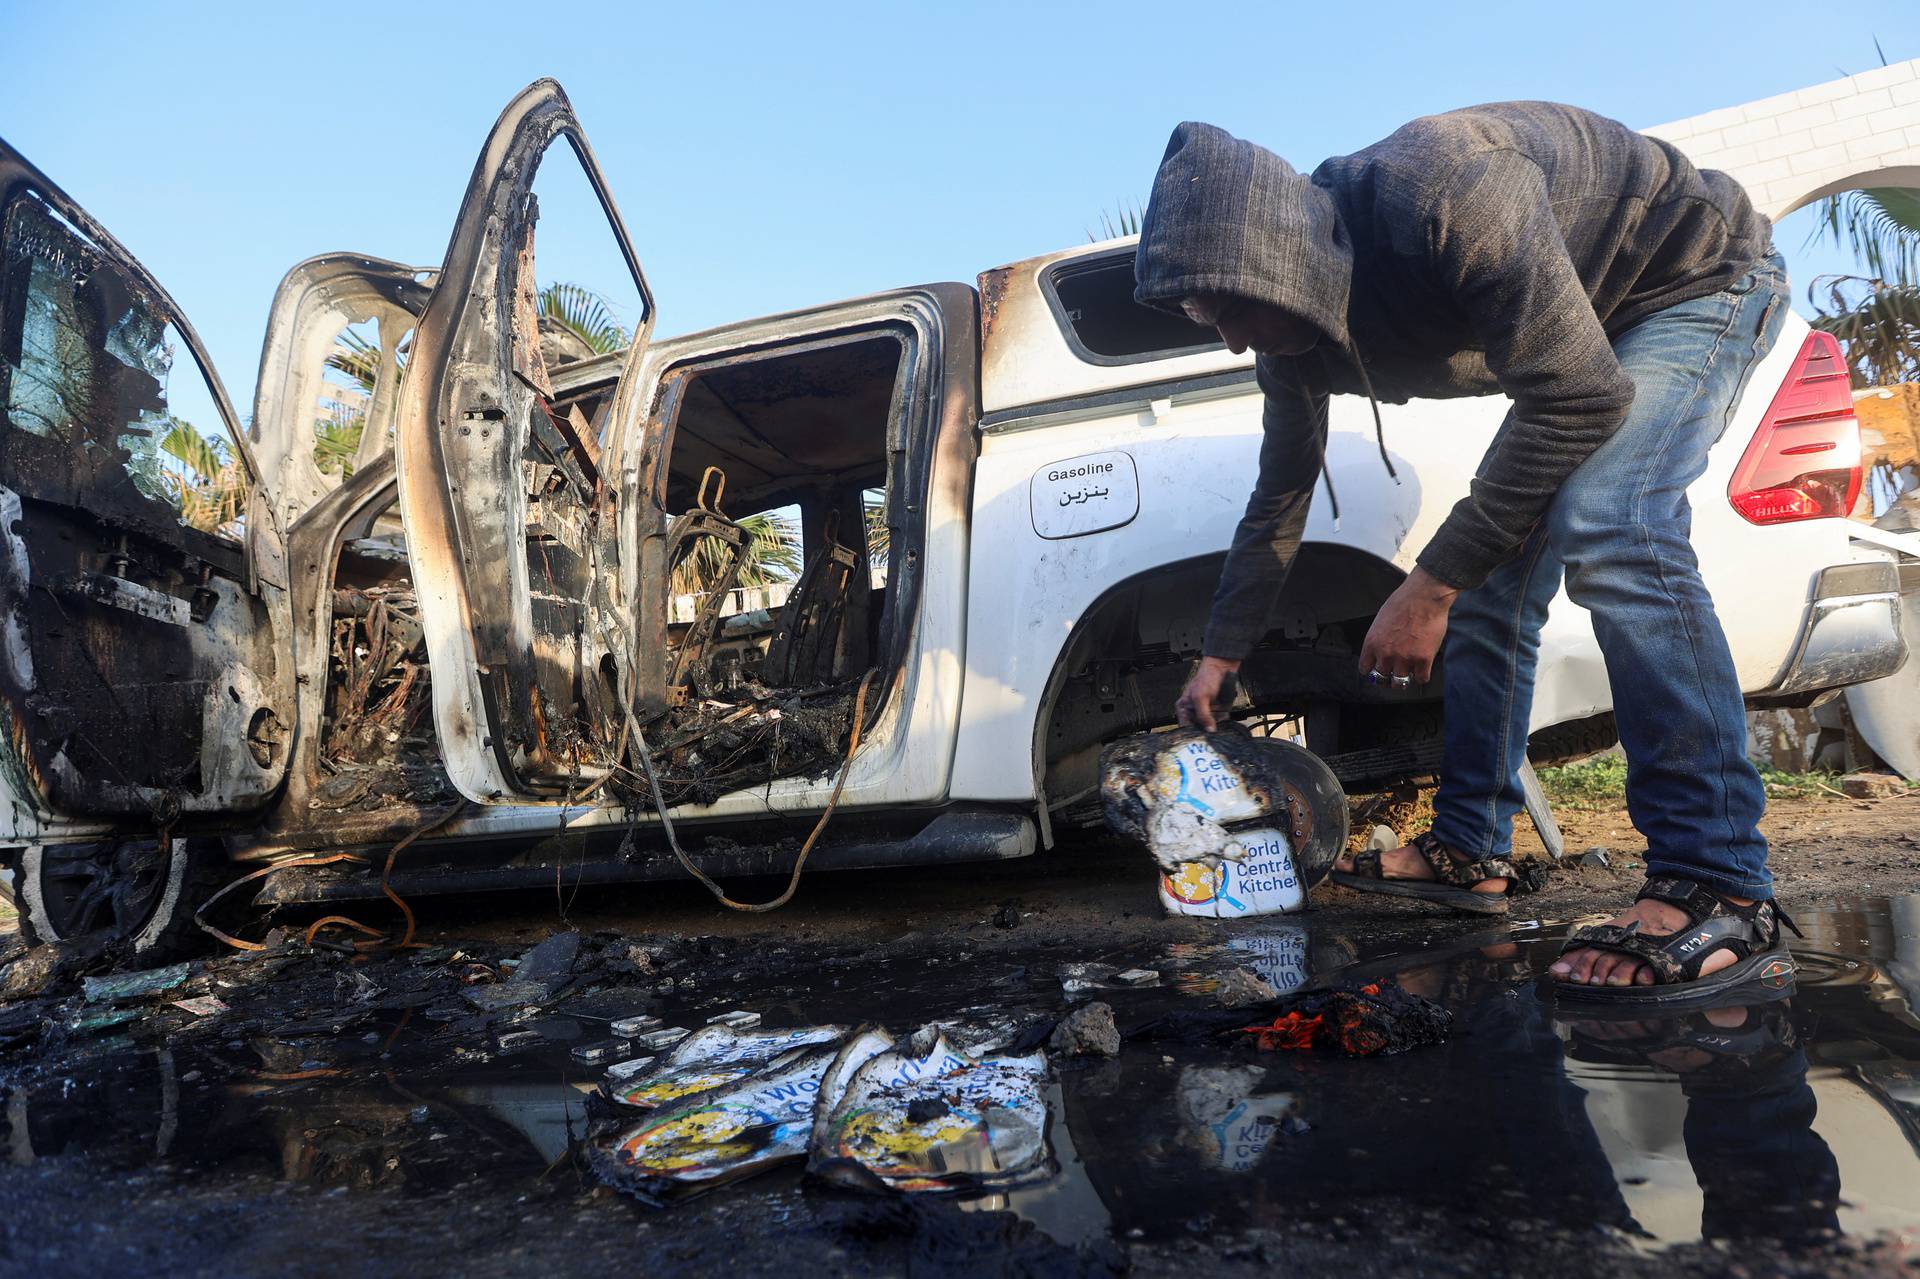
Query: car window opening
[101, 397]
[775, 616]
[353, 410]
[377, 742]
[1093, 299]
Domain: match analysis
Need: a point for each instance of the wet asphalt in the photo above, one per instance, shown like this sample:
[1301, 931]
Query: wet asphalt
[336, 1115]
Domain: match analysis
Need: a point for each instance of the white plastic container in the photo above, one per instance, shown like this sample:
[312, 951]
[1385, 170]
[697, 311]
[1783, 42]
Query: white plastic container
[1265, 882]
[1220, 815]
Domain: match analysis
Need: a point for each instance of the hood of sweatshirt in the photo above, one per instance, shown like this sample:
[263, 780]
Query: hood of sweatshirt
[1227, 216]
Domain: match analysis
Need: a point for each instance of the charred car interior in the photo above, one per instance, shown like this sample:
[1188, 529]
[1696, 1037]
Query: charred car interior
[468, 549]
[799, 435]
[532, 575]
[133, 642]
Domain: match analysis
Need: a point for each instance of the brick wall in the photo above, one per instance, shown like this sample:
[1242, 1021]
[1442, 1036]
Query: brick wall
[1794, 148]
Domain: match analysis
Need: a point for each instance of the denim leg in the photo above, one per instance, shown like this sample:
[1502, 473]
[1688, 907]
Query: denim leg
[1493, 640]
[1619, 531]
[1621, 526]
[1764, 1172]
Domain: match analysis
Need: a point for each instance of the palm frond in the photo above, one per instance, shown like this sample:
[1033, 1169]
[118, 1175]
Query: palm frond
[873, 505]
[207, 483]
[356, 357]
[1124, 220]
[336, 441]
[1877, 323]
[202, 455]
[772, 555]
[1880, 226]
[587, 314]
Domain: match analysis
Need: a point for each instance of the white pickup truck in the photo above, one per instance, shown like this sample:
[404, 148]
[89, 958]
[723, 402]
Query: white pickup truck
[1014, 502]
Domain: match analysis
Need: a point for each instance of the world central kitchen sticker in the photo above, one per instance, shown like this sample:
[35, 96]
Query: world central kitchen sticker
[1265, 882]
[1086, 494]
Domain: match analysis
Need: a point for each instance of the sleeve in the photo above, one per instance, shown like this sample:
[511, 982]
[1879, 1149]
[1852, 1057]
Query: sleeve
[1293, 434]
[1500, 253]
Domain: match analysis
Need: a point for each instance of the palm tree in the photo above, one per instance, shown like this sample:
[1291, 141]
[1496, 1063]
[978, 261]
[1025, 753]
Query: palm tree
[1124, 220]
[873, 504]
[1878, 325]
[1876, 315]
[336, 440]
[772, 555]
[356, 357]
[208, 484]
[586, 314]
[336, 437]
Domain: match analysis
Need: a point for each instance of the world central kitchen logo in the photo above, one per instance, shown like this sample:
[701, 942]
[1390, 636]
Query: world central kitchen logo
[1266, 868]
[1205, 777]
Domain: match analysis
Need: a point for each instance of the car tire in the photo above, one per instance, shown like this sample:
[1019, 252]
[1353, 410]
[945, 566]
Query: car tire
[144, 914]
[1574, 740]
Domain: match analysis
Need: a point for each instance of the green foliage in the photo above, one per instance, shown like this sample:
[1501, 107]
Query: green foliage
[772, 555]
[1124, 220]
[1591, 783]
[1878, 225]
[587, 314]
[1878, 325]
[336, 441]
[1817, 784]
[207, 483]
[336, 435]
[356, 357]
[873, 505]
[1602, 783]
[1876, 314]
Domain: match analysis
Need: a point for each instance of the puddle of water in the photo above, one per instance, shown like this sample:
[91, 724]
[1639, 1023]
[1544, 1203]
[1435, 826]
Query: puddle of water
[1792, 1119]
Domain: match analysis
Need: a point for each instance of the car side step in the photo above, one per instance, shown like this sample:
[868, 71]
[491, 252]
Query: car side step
[959, 834]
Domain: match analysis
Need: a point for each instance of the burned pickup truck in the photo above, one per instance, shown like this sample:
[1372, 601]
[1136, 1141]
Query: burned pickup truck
[470, 627]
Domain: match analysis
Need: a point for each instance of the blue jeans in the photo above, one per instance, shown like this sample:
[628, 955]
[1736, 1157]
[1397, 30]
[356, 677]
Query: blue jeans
[1619, 533]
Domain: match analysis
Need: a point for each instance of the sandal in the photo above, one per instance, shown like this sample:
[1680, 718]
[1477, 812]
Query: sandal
[1452, 882]
[1733, 1056]
[1752, 933]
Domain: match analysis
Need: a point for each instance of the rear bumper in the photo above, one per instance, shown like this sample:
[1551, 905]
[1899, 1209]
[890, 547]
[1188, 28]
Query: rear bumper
[1851, 633]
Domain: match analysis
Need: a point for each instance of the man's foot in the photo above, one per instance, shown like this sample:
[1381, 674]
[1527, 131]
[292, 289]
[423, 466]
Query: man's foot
[1407, 862]
[1657, 919]
[1681, 1059]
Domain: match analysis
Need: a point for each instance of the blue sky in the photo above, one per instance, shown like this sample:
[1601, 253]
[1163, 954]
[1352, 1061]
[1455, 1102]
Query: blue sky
[772, 156]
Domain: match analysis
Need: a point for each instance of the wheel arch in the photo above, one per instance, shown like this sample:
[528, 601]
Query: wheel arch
[1134, 644]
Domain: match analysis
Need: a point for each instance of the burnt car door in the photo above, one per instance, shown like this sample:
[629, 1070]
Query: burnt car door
[512, 523]
[141, 671]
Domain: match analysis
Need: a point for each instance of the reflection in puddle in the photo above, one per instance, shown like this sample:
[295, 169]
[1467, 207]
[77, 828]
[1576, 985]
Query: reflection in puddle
[1790, 1117]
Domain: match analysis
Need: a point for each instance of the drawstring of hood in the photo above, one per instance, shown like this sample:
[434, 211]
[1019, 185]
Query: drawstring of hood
[1379, 428]
[1320, 452]
[1320, 438]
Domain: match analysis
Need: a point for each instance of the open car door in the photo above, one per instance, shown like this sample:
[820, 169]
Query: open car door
[141, 670]
[512, 522]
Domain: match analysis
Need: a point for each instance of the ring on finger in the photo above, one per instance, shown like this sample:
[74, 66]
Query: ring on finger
[1376, 677]
[1403, 681]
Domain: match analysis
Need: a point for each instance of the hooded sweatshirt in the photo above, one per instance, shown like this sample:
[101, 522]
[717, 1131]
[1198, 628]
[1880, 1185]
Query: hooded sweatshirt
[1498, 249]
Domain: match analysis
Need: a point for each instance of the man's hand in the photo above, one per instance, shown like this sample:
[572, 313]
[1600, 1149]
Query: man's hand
[1195, 707]
[1406, 633]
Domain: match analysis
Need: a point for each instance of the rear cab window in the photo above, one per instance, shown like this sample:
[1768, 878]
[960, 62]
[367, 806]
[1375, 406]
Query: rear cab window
[1093, 300]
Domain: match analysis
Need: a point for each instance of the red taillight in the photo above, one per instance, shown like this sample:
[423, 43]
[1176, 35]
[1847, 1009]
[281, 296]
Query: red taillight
[1804, 461]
